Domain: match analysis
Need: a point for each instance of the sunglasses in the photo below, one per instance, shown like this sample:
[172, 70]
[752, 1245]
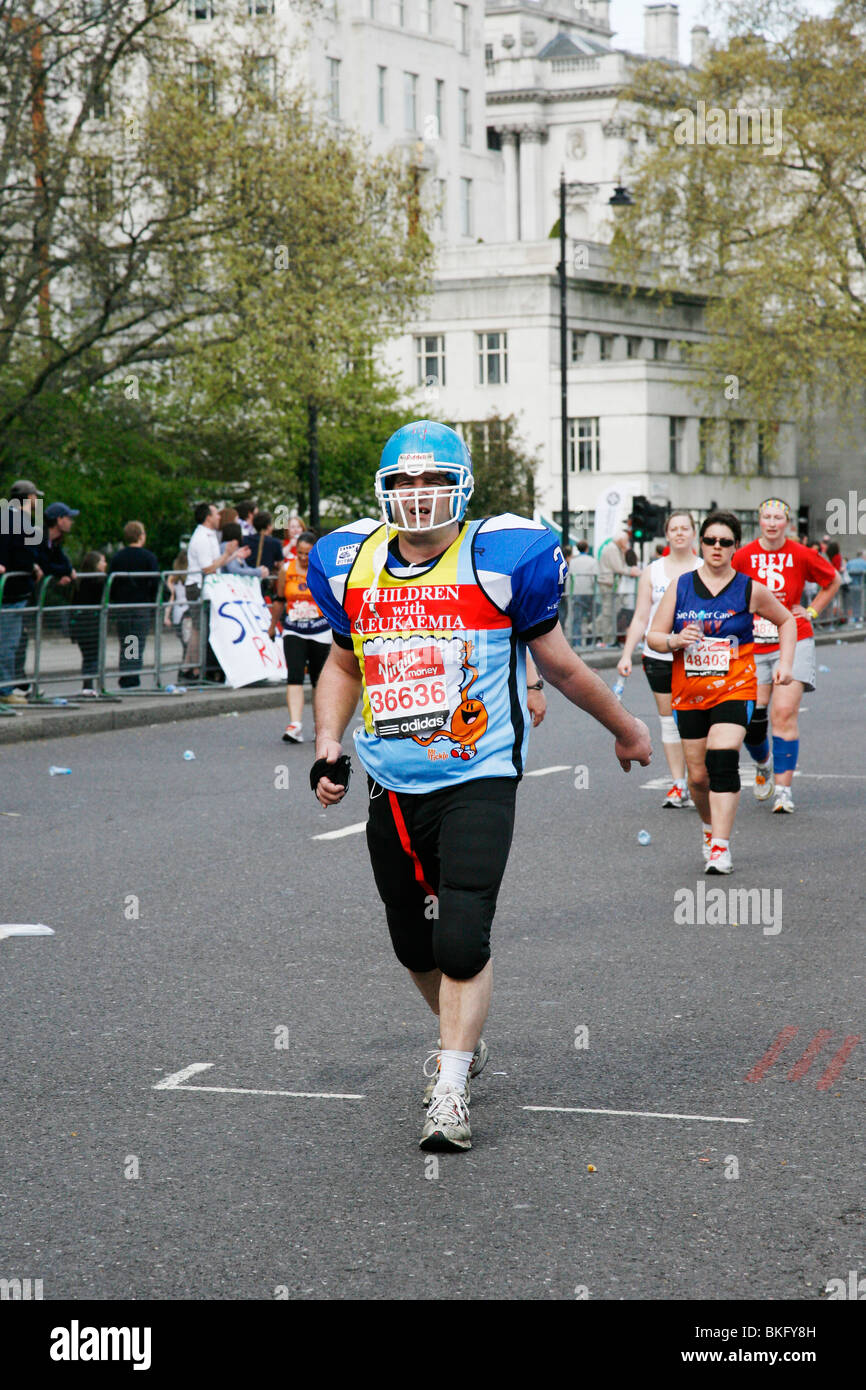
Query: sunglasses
[724, 541]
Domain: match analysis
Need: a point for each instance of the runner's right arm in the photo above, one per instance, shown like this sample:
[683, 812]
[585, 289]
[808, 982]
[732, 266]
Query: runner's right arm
[337, 692]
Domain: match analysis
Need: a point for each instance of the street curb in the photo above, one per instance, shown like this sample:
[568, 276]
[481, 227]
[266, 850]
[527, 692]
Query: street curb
[57, 722]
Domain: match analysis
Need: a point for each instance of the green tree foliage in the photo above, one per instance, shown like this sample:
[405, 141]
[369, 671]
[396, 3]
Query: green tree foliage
[503, 468]
[766, 215]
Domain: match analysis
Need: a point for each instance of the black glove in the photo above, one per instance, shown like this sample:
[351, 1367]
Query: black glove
[338, 772]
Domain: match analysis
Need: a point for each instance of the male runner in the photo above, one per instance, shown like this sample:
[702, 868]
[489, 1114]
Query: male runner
[431, 617]
[784, 566]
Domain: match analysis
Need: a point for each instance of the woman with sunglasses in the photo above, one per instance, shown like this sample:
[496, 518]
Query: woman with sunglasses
[705, 620]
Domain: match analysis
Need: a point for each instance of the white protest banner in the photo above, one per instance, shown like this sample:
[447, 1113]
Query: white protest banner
[239, 622]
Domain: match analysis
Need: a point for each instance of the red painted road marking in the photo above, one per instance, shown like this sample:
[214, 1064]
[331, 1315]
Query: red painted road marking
[769, 1058]
[800, 1068]
[838, 1062]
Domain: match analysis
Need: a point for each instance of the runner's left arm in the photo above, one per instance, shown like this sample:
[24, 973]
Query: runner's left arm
[562, 667]
[764, 603]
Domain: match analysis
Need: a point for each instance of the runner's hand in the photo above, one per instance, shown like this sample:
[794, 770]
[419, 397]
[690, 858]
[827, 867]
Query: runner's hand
[690, 633]
[327, 792]
[624, 666]
[798, 610]
[537, 705]
[781, 677]
[637, 747]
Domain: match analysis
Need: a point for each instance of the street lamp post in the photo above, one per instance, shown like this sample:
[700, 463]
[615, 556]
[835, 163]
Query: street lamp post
[620, 198]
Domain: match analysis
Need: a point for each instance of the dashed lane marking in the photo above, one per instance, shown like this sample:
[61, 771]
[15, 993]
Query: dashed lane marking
[646, 1114]
[346, 830]
[175, 1081]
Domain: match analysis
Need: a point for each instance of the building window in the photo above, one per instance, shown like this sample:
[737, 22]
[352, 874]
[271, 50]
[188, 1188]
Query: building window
[578, 346]
[676, 437]
[442, 205]
[382, 95]
[462, 27]
[334, 88]
[440, 108]
[400, 13]
[199, 9]
[99, 186]
[492, 359]
[736, 446]
[464, 122]
[605, 346]
[660, 349]
[430, 356]
[583, 455]
[488, 53]
[466, 207]
[256, 9]
[632, 345]
[101, 107]
[263, 75]
[765, 449]
[705, 438]
[373, 9]
[427, 15]
[410, 100]
[201, 75]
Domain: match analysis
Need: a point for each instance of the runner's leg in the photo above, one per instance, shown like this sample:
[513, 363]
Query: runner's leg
[723, 804]
[695, 750]
[786, 730]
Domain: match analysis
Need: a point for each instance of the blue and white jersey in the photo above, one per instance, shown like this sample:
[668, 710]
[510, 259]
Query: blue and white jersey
[441, 646]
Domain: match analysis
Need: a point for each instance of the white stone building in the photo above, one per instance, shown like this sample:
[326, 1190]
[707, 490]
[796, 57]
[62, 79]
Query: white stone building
[493, 101]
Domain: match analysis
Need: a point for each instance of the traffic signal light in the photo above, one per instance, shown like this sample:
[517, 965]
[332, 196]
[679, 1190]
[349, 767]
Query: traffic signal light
[647, 520]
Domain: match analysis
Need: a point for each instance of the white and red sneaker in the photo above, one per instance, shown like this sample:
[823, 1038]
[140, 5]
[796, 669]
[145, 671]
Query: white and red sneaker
[719, 861]
[677, 796]
[765, 780]
[707, 845]
[293, 734]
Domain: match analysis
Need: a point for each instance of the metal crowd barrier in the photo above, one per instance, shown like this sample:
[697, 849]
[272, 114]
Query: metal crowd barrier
[116, 649]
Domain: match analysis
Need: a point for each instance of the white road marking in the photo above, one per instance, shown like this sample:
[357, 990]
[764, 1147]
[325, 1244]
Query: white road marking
[24, 929]
[173, 1083]
[543, 771]
[346, 830]
[648, 1114]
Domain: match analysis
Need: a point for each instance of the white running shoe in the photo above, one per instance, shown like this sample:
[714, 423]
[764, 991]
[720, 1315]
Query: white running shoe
[719, 861]
[677, 796]
[446, 1128]
[293, 734]
[476, 1066]
[707, 845]
[764, 780]
[784, 801]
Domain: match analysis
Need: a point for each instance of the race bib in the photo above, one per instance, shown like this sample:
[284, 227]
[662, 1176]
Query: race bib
[710, 656]
[764, 630]
[407, 690]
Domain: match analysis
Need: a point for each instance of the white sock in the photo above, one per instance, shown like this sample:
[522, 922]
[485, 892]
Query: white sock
[708, 829]
[723, 844]
[682, 782]
[453, 1070]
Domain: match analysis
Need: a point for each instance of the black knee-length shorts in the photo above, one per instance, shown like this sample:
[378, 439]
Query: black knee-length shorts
[438, 859]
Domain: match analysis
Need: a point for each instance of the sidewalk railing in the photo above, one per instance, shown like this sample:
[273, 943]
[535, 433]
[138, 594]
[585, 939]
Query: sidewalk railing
[111, 649]
[140, 648]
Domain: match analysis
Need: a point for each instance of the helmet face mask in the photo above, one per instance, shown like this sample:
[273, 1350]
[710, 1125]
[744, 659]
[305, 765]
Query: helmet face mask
[415, 452]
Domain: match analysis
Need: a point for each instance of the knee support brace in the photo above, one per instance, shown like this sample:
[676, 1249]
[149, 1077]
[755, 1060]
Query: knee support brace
[669, 728]
[757, 742]
[723, 767]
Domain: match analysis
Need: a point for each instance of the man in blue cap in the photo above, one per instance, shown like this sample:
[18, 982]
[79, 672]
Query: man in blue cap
[51, 556]
[432, 617]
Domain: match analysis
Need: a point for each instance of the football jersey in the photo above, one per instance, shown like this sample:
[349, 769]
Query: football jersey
[721, 666]
[441, 646]
[784, 572]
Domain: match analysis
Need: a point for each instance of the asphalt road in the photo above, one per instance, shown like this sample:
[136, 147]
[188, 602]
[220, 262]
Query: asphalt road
[251, 933]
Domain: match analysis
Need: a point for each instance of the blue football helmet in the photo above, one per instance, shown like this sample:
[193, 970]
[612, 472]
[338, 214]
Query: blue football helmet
[424, 447]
